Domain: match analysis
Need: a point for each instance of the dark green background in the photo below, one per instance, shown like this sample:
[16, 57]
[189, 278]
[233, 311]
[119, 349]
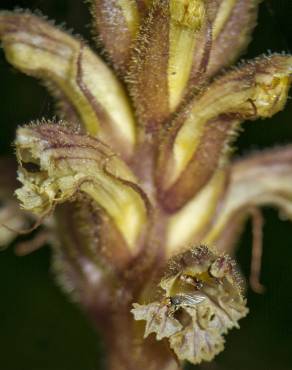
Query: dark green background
[41, 330]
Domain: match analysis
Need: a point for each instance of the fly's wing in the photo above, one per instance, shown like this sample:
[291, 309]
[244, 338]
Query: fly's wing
[190, 299]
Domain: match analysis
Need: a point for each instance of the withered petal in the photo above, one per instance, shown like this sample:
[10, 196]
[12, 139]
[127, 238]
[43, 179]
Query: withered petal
[157, 320]
[12, 218]
[195, 327]
[195, 345]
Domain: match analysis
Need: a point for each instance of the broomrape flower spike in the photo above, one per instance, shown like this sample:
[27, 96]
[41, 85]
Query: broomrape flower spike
[134, 185]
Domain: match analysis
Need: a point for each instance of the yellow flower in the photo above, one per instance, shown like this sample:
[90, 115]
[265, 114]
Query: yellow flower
[136, 176]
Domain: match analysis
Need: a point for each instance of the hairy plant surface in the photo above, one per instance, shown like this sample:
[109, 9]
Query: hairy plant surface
[134, 186]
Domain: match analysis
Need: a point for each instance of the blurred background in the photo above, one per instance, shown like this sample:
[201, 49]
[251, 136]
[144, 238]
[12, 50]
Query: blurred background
[41, 330]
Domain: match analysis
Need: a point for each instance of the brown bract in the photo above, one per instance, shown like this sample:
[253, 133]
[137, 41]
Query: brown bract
[137, 172]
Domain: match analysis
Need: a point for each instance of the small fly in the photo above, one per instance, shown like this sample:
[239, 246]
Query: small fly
[179, 300]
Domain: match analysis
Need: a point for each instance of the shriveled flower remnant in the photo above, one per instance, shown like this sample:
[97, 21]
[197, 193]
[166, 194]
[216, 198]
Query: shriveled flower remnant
[134, 186]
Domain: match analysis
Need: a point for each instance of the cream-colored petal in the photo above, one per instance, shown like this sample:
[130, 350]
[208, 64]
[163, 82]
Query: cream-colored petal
[86, 87]
[264, 179]
[56, 164]
[198, 141]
